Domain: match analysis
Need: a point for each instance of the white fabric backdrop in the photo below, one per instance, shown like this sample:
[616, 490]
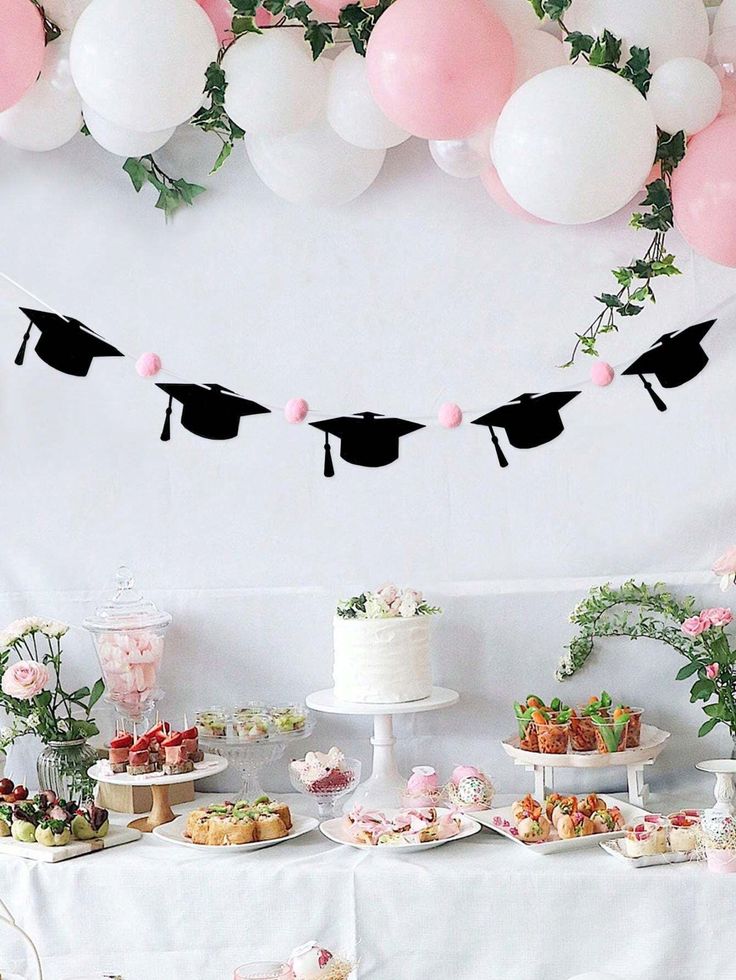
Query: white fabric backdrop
[420, 291]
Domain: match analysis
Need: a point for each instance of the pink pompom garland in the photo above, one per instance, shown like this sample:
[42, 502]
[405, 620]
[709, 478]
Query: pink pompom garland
[450, 415]
[296, 410]
[602, 374]
[148, 365]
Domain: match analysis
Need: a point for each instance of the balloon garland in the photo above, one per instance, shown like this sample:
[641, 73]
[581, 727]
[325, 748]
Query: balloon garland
[494, 97]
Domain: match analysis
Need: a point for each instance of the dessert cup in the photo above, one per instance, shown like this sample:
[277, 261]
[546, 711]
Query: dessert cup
[633, 733]
[553, 738]
[582, 733]
[212, 722]
[610, 735]
[528, 736]
[331, 787]
[684, 835]
[646, 838]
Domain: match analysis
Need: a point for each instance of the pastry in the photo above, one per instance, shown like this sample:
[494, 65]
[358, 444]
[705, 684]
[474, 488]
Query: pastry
[412, 826]
[607, 821]
[684, 835]
[527, 807]
[238, 823]
[575, 824]
[646, 838]
[531, 829]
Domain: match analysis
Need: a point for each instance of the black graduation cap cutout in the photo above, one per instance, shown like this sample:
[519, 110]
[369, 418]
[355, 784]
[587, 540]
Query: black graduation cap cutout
[529, 420]
[65, 344]
[366, 439]
[674, 359]
[209, 410]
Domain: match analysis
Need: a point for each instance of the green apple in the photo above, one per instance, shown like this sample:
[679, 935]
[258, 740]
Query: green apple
[53, 836]
[82, 828]
[23, 831]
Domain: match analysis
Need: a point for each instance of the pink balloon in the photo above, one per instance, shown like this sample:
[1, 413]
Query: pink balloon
[22, 43]
[220, 12]
[704, 192]
[440, 70]
[263, 17]
[326, 10]
[498, 193]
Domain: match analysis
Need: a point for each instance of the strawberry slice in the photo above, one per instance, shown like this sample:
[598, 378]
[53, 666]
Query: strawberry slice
[190, 733]
[123, 741]
[141, 745]
[172, 741]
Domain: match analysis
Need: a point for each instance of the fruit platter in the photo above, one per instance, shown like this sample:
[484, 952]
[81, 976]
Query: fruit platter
[46, 828]
[600, 733]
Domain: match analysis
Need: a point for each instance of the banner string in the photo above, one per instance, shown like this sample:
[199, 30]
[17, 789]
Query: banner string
[429, 419]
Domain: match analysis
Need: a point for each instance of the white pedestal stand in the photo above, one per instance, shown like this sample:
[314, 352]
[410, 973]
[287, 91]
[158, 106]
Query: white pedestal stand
[385, 786]
[725, 791]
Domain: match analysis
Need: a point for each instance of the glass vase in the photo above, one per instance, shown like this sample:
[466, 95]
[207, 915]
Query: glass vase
[62, 767]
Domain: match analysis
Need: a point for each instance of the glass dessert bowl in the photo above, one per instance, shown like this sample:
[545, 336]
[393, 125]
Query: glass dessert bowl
[326, 777]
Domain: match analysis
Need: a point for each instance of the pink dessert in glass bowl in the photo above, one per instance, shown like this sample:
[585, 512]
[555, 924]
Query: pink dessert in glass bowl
[326, 776]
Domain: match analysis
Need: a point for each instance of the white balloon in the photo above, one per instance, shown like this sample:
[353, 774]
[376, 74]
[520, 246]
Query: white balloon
[725, 16]
[273, 84]
[123, 142]
[50, 113]
[517, 15]
[574, 144]
[535, 52]
[313, 165]
[351, 109]
[65, 13]
[669, 28]
[141, 63]
[463, 158]
[684, 94]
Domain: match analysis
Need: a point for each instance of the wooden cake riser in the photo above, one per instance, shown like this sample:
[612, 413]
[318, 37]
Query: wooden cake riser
[139, 799]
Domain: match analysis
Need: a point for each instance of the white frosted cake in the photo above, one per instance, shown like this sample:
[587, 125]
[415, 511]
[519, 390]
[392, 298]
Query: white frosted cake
[382, 661]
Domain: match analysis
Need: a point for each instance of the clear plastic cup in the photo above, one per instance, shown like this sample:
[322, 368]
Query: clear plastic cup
[553, 738]
[610, 734]
[582, 732]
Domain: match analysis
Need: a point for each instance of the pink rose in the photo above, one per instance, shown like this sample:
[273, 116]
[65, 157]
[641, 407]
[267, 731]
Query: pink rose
[711, 671]
[718, 616]
[388, 592]
[694, 626]
[25, 680]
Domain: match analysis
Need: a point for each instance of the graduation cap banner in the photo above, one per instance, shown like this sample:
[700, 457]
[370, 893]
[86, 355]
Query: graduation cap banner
[367, 439]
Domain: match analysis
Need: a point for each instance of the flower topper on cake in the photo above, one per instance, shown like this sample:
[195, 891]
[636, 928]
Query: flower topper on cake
[386, 602]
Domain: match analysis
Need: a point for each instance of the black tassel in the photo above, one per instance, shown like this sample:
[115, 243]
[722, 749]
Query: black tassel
[329, 466]
[166, 431]
[661, 407]
[502, 461]
[22, 352]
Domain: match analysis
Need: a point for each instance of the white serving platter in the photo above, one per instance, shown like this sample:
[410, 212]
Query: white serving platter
[500, 820]
[210, 766]
[338, 831]
[77, 848]
[615, 849]
[173, 833]
[652, 742]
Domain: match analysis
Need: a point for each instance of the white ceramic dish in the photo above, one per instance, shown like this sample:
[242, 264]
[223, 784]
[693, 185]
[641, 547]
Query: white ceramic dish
[76, 848]
[173, 833]
[615, 849]
[500, 820]
[337, 830]
[652, 742]
[210, 766]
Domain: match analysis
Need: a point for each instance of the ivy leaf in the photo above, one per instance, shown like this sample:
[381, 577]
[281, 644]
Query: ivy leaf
[227, 149]
[186, 191]
[579, 44]
[555, 9]
[298, 11]
[636, 69]
[630, 309]
[687, 671]
[606, 51]
[274, 7]
[244, 25]
[610, 301]
[624, 276]
[318, 36]
[658, 195]
[137, 172]
[671, 149]
[537, 8]
[707, 726]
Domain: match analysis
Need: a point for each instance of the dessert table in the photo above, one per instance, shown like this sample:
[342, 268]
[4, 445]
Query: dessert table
[479, 908]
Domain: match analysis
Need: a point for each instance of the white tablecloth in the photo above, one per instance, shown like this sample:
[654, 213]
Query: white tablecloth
[479, 908]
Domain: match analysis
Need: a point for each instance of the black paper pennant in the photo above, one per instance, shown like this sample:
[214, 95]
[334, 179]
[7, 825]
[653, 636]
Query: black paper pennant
[209, 410]
[674, 359]
[65, 344]
[530, 420]
[366, 439]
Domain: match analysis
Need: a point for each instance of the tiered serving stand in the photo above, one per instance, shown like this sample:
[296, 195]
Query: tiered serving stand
[159, 783]
[385, 786]
[249, 757]
[543, 765]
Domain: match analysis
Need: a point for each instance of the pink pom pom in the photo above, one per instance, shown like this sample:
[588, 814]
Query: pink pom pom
[296, 410]
[450, 415]
[148, 365]
[602, 374]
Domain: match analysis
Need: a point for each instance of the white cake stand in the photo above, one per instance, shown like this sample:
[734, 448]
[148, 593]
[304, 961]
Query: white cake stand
[385, 786]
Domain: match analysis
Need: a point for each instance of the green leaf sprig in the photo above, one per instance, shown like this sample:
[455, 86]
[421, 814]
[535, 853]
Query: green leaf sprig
[173, 193]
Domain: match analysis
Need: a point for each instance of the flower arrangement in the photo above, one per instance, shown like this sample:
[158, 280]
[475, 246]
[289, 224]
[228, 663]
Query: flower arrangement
[699, 637]
[30, 689]
[387, 602]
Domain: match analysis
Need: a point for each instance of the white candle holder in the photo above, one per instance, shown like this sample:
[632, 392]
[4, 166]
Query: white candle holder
[725, 789]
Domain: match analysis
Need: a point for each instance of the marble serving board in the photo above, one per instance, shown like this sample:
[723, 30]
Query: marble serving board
[77, 848]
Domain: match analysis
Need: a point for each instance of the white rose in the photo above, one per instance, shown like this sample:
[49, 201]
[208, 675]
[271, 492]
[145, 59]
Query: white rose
[54, 629]
[408, 607]
[376, 607]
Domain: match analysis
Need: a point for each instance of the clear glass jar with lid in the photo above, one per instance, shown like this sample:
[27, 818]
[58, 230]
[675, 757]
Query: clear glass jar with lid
[128, 632]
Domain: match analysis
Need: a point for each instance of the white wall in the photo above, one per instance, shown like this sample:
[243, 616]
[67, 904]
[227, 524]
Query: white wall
[420, 291]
